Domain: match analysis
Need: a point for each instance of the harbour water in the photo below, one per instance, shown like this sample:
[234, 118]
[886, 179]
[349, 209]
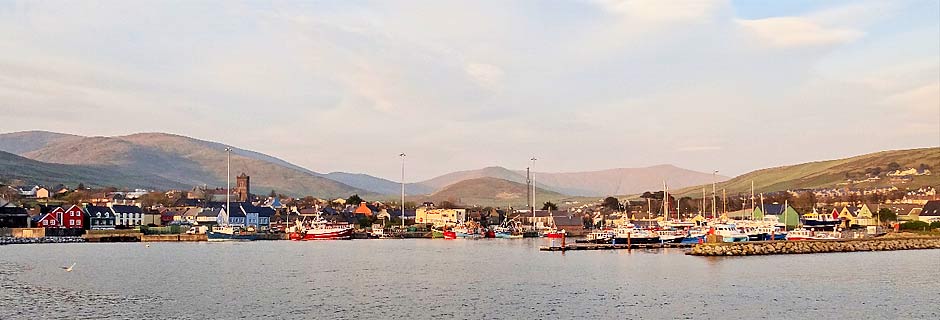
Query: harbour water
[458, 279]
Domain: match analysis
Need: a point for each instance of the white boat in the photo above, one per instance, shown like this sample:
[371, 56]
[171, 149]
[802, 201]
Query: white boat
[729, 233]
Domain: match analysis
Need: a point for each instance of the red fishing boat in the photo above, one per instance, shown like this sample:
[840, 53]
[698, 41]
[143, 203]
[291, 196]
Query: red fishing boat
[450, 234]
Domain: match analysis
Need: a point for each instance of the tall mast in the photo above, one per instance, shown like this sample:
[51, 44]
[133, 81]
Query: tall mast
[704, 215]
[752, 199]
[724, 201]
[714, 193]
[665, 201]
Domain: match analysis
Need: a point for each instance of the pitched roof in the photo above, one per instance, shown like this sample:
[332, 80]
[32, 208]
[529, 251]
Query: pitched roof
[96, 209]
[363, 209]
[209, 212]
[126, 209]
[931, 209]
[568, 221]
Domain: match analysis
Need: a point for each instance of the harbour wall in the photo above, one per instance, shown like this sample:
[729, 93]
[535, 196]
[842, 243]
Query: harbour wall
[813, 246]
[173, 237]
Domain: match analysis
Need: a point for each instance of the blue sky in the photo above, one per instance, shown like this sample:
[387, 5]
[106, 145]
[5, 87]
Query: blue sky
[583, 85]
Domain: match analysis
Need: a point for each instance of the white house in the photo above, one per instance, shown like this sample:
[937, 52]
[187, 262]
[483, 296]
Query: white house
[127, 216]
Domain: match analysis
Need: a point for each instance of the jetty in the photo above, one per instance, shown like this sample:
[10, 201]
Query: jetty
[752, 248]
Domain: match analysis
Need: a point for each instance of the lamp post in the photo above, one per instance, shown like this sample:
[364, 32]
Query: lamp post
[533, 192]
[402, 155]
[228, 181]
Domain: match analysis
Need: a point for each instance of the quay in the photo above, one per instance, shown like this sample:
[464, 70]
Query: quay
[813, 246]
[592, 246]
[20, 240]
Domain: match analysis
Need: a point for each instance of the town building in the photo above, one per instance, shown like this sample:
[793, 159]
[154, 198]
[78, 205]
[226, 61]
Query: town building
[242, 187]
[12, 216]
[440, 217]
[100, 217]
[127, 216]
[930, 212]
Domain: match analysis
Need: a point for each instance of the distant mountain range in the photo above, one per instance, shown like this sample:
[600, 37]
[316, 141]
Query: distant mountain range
[159, 160]
[163, 161]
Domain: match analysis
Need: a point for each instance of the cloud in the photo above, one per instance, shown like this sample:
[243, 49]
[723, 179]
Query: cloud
[797, 32]
[662, 11]
[487, 75]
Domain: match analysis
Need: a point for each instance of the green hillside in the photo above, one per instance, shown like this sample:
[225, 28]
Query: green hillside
[16, 170]
[489, 191]
[829, 174]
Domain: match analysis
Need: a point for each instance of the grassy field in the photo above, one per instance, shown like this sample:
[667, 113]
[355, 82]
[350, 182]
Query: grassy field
[829, 174]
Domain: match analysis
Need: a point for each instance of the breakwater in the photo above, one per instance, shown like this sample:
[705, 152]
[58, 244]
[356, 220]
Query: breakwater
[16, 240]
[813, 246]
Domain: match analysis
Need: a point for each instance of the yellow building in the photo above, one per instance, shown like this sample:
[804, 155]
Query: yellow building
[440, 217]
[864, 217]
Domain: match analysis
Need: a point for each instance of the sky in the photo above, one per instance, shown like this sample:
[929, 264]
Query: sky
[347, 86]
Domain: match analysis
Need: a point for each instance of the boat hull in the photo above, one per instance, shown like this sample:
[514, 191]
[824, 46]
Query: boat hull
[342, 234]
[215, 237]
[637, 240]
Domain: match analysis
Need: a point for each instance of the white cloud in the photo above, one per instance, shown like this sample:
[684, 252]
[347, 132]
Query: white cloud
[662, 11]
[797, 32]
[487, 75]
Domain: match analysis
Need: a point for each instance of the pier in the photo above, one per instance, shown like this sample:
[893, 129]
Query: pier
[813, 246]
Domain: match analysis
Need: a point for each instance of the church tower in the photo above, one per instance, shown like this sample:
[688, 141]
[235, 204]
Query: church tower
[242, 187]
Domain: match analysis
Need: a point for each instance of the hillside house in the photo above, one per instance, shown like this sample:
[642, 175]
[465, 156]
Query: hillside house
[43, 193]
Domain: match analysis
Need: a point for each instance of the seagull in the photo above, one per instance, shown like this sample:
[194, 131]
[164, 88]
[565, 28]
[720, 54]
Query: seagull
[69, 268]
[147, 245]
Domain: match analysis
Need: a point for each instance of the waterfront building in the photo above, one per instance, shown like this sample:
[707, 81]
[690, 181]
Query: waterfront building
[930, 212]
[127, 216]
[72, 218]
[12, 216]
[100, 218]
[864, 217]
[440, 217]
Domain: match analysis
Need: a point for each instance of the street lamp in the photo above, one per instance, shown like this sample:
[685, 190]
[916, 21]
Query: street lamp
[402, 155]
[228, 181]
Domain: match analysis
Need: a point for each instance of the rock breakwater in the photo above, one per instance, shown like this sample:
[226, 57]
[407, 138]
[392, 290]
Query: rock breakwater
[813, 246]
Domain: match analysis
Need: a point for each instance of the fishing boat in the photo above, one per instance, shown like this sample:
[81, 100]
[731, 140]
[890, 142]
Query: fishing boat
[816, 220]
[229, 233]
[729, 233]
[628, 234]
[598, 236]
[799, 234]
[553, 233]
[320, 229]
[670, 235]
[803, 234]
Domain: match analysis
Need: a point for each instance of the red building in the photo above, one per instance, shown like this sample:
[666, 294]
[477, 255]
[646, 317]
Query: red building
[73, 218]
[48, 221]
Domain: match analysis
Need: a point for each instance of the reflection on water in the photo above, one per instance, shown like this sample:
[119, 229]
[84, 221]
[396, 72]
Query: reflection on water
[473, 279]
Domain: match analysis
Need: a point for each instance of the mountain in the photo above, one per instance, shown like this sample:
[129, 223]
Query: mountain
[26, 141]
[182, 160]
[377, 185]
[488, 191]
[16, 170]
[589, 183]
[831, 173]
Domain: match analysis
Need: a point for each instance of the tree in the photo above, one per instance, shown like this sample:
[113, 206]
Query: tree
[894, 166]
[611, 203]
[924, 166]
[354, 200]
[272, 194]
[886, 214]
[550, 206]
[81, 186]
[447, 205]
